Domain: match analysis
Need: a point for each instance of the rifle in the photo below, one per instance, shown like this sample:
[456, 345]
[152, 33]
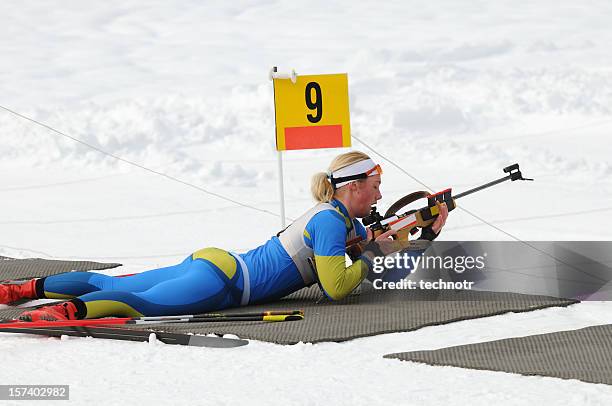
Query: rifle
[412, 220]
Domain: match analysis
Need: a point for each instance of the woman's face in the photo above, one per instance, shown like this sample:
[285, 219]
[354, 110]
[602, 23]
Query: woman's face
[365, 195]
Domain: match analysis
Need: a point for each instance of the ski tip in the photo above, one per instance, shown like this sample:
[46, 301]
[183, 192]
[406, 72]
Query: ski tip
[216, 342]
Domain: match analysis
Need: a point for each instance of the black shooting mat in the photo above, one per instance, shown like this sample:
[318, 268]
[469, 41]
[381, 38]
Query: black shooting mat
[367, 313]
[17, 269]
[584, 354]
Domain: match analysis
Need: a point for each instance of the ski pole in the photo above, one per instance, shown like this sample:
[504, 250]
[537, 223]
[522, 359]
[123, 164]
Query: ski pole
[221, 315]
[270, 318]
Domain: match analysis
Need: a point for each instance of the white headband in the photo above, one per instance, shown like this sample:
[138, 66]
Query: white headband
[357, 170]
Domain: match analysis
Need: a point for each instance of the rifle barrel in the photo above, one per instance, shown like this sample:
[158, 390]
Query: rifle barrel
[476, 189]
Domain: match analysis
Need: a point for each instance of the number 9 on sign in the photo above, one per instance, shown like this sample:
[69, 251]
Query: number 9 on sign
[312, 113]
[317, 104]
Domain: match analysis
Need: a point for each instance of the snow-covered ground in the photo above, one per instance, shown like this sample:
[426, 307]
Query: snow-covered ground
[451, 92]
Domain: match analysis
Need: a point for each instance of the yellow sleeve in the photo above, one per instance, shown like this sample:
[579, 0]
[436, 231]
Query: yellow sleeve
[338, 280]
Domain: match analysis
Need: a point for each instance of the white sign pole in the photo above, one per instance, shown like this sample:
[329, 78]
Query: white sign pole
[281, 188]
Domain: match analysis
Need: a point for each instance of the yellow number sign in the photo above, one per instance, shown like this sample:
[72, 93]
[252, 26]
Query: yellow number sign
[312, 113]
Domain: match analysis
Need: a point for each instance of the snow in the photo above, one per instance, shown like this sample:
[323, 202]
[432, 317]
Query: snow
[449, 92]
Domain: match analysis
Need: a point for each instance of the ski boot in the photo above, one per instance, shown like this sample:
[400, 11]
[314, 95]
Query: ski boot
[10, 293]
[62, 311]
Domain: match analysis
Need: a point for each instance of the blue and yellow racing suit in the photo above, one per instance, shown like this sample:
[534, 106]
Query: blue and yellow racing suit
[213, 279]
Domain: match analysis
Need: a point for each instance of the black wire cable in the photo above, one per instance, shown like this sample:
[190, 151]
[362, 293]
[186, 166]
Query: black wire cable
[140, 166]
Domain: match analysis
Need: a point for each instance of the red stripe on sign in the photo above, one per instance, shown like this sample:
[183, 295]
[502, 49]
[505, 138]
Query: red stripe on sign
[322, 136]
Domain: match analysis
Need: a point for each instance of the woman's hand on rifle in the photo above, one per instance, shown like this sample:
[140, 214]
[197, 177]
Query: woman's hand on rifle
[441, 219]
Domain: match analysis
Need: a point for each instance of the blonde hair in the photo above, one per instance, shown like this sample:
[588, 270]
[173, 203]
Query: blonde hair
[320, 186]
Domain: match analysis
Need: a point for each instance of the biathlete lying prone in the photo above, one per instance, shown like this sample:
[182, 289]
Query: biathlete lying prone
[212, 279]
